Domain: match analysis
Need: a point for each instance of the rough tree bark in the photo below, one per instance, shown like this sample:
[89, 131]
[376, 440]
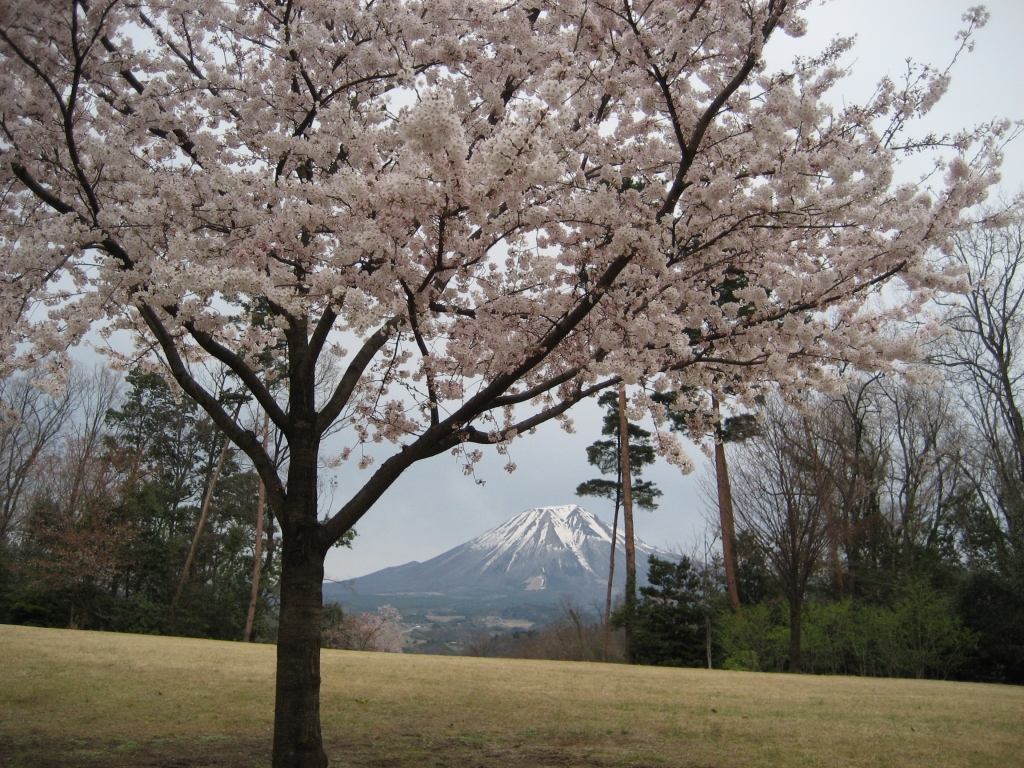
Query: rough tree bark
[298, 742]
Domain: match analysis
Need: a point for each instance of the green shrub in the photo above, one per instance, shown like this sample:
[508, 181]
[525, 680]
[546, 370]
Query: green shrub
[919, 635]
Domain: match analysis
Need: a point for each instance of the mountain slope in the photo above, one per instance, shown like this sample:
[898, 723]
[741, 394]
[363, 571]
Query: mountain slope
[537, 556]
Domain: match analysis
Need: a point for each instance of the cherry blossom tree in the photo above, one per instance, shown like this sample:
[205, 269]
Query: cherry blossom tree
[380, 631]
[486, 212]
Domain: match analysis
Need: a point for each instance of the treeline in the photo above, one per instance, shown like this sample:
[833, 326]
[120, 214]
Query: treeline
[878, 533]
[957, 625]
[103, 489]
[881, 530]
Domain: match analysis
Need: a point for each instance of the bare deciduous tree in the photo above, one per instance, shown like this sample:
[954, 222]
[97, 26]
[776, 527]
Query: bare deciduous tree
[72, 506]
[984, 356]
[31, 422]
[890, 472]
[779, 503]
[872, 479]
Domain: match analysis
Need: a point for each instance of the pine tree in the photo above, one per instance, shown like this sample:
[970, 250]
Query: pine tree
[606, 455]
[669, 627]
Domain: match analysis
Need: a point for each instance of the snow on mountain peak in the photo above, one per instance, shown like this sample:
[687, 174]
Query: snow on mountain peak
[560, 548]
[568, 528]
[562, 512]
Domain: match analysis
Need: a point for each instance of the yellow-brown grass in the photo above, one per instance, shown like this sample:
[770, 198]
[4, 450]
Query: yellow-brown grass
[59, 687]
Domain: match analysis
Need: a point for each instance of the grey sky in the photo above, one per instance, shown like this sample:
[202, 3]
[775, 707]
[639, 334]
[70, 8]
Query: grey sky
[433, 507]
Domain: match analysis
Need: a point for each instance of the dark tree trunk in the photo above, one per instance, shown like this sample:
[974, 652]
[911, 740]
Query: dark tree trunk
[298, 742]
[725, 513]
[707, 637]
[728, 524]
[611, 571]
[795, 618]
[627, 515]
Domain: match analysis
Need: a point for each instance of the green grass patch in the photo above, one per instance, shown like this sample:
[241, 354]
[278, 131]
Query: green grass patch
[73, 699]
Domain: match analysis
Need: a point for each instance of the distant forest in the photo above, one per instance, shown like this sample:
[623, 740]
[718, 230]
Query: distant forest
[103, 488]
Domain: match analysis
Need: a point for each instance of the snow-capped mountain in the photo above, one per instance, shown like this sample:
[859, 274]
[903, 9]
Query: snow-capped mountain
[547, 551]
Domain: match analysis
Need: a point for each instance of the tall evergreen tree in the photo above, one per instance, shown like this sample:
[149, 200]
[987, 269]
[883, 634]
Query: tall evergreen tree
[606, 455]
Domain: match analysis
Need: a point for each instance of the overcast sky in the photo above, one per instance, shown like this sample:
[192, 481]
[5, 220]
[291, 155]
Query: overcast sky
[433, 507]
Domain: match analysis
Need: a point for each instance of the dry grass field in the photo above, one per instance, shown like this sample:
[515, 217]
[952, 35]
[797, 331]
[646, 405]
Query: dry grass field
[70, 698]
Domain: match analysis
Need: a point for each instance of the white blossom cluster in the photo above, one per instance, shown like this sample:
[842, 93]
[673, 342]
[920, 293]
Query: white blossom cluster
[506, 208]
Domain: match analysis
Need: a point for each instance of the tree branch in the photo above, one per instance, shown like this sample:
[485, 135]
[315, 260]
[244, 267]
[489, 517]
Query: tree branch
[438, 439]
[244, 439]
[353, 373]
[690, 150]
[246, 374]
[39, 190]
[540, 389]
